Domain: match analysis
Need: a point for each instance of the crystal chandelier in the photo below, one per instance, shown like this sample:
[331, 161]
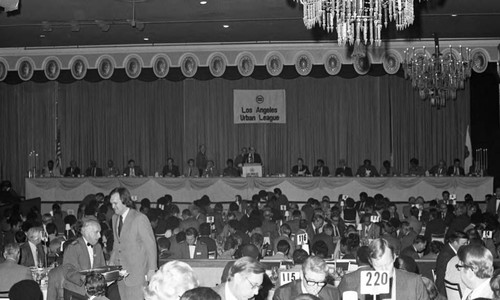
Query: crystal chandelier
[357, 20]
[437, 77]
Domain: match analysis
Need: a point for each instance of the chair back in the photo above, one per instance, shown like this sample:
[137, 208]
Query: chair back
[453, 291]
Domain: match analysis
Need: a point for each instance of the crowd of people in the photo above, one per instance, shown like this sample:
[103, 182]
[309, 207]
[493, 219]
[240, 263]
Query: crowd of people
[113, 230]
[204, 167]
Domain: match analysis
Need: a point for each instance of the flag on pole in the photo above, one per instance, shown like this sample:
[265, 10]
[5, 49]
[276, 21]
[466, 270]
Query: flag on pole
[468, 151]
[58, 150]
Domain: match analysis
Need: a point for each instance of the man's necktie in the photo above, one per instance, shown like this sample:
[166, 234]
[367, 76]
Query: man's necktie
[120, 225]
[335, 231]
[190, 171]
[90, 245]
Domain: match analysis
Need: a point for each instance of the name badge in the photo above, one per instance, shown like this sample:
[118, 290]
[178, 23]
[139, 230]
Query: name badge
[210, 219]
[374, 283]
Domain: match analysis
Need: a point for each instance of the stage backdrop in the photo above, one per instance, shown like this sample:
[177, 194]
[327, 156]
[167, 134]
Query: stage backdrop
[328, 118]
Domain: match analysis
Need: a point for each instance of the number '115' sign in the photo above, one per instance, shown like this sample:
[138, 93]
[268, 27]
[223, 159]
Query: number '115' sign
[374, 282]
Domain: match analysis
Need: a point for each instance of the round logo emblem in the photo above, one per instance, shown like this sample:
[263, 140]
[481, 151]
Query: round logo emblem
[259, 99]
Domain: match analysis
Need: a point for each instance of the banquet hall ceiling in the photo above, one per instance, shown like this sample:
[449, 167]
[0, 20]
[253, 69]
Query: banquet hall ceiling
[111, 22]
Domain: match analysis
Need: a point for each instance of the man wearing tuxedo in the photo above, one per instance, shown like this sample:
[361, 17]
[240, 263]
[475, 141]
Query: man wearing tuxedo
[134, 245]
[93, 170]
[72, 170]
[32, 252]
[343, 170]
[192, 248]
[170, 170]
[132, 170]
[367, 170]
[439, 170]
[84, 253]
[320, 170]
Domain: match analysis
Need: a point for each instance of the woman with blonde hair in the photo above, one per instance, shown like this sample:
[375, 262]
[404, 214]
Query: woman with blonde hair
[171, 281]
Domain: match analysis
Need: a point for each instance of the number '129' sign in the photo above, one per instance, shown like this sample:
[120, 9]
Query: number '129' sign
[374, 282]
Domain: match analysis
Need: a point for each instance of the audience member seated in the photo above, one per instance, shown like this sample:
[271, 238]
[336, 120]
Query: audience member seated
[300, 169]
[382, 258]
[461, 220]
[32, 252]
[327, 238]
[435, 226]
[432, 290]
[170, 170]
[343, 170]
[313, 281]
[188, 220]
[416, 250]
[200, 293]
[367, 170]
[93, 170]
[476, 270]
[244, 280]
[407, 264]
[434, 249]
[25, 290]
[413, 221]
[205, 238]
[283, 248]
[72, 170]
[320, 170]
[10, 271]
[352, 281]
[388, 232]
[406, 235]
[230, 170]
[163, 248]
[285, 231]
[171, 281]
[95, 287]
[369, 230]
[455, 241]
[192, 248]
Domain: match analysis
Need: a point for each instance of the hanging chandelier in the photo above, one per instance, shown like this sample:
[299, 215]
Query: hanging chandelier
[357, 20]
[437, 77]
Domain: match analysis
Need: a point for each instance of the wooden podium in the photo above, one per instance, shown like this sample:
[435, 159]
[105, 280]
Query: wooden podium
[252, 170]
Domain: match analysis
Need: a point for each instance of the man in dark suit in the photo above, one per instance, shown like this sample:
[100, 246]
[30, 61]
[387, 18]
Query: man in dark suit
[343, 170]
[134, 245]
[313, 281]
[456, 169]
[32, 252]
[407, 286]
[320, 170]
[352, 281]
[84, 253]
[461, 221]
[245, 278]
[188, 220]
[93, 170]
[10, 271]
[439, 170]
[72, 170]
[132, 170]
[170, 170]
[192, 248]
[446, 213]
[455, 241]
[406, 235]
[414, 251]
[252, 157]
[367, 170]
[327, 237]
[435, 226]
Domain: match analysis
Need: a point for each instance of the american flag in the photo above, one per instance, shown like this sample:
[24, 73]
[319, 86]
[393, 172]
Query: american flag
[58, 150]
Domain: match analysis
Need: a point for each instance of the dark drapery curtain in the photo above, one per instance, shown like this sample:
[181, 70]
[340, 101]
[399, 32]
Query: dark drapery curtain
[328, 117]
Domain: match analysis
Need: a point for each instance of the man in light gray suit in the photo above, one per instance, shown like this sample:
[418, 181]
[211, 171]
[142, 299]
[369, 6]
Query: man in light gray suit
[10, 271]
[134, 245]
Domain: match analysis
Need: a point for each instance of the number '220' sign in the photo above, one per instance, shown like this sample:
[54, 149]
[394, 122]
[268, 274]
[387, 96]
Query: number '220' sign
[374, 282]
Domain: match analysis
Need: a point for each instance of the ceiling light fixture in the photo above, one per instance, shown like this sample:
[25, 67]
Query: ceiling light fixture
[357, 20]
[225, 26]
[146, 39]
[203, 2]
[437, 77]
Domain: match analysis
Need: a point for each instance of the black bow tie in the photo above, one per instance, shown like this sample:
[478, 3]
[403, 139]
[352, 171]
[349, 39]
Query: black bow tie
[90, 245]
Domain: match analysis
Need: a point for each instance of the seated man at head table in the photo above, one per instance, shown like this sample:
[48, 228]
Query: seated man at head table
[300, 169]
[170, 170]
[111, 170]
[51, 171]
[313, 281]
[343, 170]
[72, 170]
[191, 170]
[10, 271]
[93, 170]
[132, 170]
[230, 170]
[320, 170]
[367, 169]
